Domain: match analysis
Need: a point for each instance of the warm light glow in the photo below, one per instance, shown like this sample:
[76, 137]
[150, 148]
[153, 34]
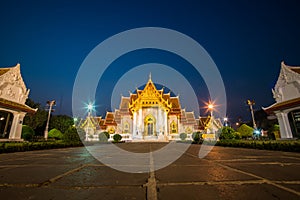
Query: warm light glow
[225, 119]
[210, 106]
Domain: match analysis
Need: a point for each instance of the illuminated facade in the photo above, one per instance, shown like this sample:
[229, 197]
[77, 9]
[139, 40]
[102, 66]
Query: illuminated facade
[13, 94]
[287, 96]
[150, 115]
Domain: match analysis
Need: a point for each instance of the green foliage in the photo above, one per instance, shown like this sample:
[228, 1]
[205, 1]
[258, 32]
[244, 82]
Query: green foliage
[197, 137]
[27, 133]
[55, 134]
[104, 136]
[71, 135]
[227, 133]
[8, 147]
[36, 121]
[61, 122]
[183, 136]
[117, 137]
[237, 135]
[293, 146]
[273, 132]
[246, 131]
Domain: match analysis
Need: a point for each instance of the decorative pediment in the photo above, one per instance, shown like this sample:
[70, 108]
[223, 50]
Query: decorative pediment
[149, 97]
[288, 83]
[12, 86]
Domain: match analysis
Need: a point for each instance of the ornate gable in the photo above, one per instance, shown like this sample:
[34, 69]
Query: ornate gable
[149, 97]
[288, 84]
[12, 86]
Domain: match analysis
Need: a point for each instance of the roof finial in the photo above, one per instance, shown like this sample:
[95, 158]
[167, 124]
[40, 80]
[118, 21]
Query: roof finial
[150, 76]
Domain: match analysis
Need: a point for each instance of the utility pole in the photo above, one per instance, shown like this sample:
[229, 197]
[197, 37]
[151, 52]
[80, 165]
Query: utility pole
[251, 103]
[51, 104]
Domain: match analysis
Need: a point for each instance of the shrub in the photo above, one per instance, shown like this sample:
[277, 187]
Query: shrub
[227, 133]
[56, 134]
[273, 132]
[183, 136]
[197, 137]
[9, 147]
[71, 135]
[104, 136]
[245, 130]
[27, 133]
[117, 138]
[237, 135]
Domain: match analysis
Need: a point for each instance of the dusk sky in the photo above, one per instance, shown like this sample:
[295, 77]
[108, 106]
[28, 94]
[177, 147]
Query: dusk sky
[246, 39]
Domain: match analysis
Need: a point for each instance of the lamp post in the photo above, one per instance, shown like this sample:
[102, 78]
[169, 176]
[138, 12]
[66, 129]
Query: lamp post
[90, 108]
[211, 108]
[225, 121]
[251, 103]
[51, 104]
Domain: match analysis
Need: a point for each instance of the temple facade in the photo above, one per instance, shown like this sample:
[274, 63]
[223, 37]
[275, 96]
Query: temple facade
[150, 115]
[287, 96]
[13, 94]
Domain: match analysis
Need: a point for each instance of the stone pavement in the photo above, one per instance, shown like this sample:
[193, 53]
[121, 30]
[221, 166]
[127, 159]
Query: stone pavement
[225, 173]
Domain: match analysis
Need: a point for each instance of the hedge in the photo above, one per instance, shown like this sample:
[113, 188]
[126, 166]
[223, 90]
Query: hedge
[9, 147]
[293, 146]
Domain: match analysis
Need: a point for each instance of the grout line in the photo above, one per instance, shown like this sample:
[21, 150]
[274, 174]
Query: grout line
[250, 174]
[151, 184]
[52, 180]
[262, 178]
[212, 183]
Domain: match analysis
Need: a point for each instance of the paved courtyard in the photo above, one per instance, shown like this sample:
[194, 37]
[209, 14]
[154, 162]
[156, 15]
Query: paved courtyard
[225, 173]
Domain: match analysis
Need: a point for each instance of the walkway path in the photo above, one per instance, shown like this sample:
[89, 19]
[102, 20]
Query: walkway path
[226, 173]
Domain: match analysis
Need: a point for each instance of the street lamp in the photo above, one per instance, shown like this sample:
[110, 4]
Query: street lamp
[51, 104]
[90, 108]
[211, 108]
[251, 103]
[225, 121]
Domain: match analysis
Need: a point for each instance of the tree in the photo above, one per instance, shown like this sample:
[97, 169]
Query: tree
[56, 134]
[71, 135]
[61, 122]
[36, 121]
[227, 133]
[27, 133]
[245, 130]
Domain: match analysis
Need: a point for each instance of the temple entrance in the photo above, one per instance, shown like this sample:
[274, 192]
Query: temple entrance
[150, 125]
[6, 119]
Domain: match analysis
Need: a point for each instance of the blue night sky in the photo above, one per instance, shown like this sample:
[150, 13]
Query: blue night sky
[246, 39]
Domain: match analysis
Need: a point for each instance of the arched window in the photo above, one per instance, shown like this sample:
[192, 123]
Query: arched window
[173, 127]
[149, 125]
[126, 127]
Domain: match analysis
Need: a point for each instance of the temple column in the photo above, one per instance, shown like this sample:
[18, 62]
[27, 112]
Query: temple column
[166, 124]
[16, 127]
[160, 121]
[284, 125]
[140, 122]
[134, 125]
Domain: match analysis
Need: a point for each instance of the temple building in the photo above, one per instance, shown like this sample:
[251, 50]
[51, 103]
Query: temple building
[13, 94]
[150, 115]
[287, 96]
